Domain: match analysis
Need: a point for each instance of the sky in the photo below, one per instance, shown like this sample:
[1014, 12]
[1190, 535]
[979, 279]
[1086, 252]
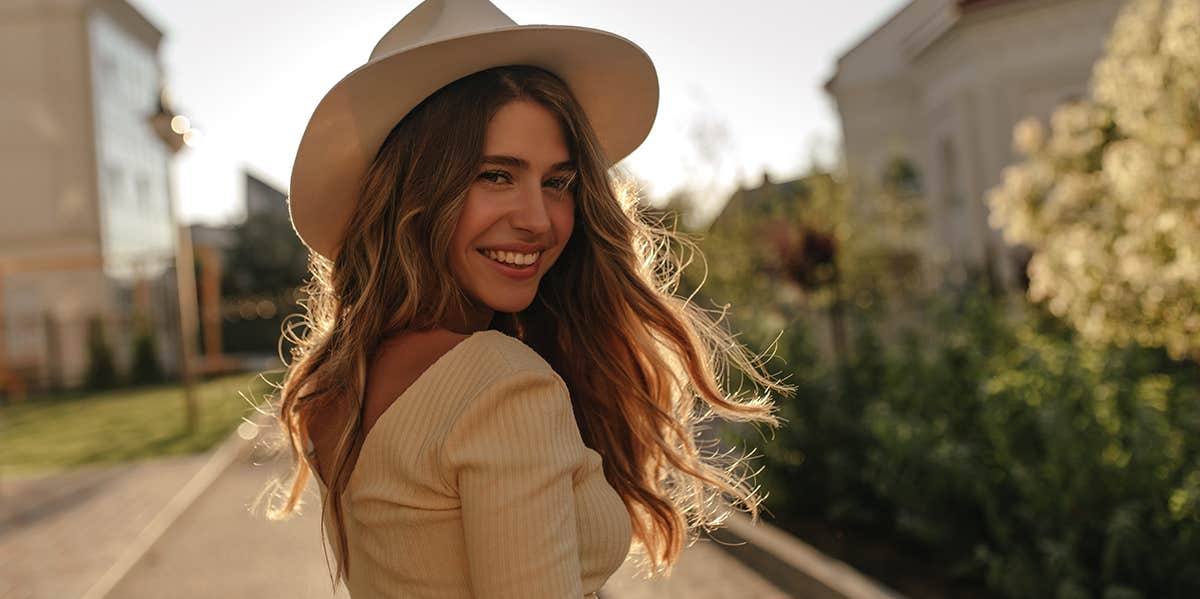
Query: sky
[740, 83]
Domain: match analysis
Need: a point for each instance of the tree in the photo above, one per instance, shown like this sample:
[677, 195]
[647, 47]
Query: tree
[1109, 201]
[266, 259]
[818, 245]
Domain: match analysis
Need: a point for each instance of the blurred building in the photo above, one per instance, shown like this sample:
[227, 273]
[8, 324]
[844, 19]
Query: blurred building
[236, 318]
[265, 199]
[939, 87]
[89, 228]
[762, 201]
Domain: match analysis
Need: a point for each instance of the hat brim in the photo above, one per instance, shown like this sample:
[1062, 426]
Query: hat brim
[613, 79]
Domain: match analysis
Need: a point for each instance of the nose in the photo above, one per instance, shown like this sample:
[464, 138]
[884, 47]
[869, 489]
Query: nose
[530, 212]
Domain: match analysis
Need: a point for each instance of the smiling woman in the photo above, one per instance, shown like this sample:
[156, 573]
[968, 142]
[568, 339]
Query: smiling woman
[495, 385]
[519, 212]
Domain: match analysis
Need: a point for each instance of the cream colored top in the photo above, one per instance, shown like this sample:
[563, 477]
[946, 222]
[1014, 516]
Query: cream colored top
[475, 482]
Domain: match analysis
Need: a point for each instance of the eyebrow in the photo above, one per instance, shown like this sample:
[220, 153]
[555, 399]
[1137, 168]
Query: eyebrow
[521, 163]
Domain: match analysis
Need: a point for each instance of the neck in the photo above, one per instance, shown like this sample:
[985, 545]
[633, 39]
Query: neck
[474, 318]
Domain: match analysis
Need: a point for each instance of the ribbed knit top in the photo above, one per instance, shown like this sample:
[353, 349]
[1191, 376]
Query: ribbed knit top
[475, 482]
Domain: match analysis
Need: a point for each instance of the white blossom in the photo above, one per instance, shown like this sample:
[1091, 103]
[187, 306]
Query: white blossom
[1109, 197]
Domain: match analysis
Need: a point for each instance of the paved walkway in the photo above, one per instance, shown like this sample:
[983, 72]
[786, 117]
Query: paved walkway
[60, 533]
[704, 571]
[220, 549]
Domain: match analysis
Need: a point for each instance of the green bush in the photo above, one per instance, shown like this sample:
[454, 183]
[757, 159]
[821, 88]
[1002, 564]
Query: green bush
[101, 372]
[1030, 460]
[146, 367]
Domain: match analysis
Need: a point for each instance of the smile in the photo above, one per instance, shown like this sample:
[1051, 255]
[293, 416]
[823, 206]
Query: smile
[514, 265]
[517, 259]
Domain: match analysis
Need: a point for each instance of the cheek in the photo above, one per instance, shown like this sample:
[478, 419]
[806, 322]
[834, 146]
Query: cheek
[564, 220]
[465, 232]
[477, 214]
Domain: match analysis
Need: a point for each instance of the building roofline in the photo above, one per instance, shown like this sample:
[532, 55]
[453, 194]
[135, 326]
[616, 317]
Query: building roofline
[132, 20]
[874, 30]
[962, 7]
[252, 172]
[970, 5]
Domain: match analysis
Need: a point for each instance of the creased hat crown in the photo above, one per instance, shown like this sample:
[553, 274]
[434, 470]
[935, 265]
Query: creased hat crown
[435, 20]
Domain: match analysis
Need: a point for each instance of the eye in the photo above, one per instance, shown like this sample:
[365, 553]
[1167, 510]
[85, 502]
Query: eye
[493, 175]
[561, 183]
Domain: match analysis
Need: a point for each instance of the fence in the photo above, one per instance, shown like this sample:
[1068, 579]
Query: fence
[50, 352]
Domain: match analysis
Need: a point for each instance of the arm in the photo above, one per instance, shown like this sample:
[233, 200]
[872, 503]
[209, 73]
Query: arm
[512, 454]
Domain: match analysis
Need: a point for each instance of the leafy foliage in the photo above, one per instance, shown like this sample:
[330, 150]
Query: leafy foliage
[1015, 451]
[1110, 200]
[1021, 455]
[809, 245]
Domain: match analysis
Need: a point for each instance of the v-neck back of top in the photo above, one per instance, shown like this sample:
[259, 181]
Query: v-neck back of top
[477, 476]
[412, 388]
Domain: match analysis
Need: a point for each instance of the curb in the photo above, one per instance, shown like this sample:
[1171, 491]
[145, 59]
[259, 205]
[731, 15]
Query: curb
[794, 566]
[232, 448]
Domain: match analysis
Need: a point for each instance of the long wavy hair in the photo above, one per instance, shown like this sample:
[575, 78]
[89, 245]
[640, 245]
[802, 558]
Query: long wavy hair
[644, 367]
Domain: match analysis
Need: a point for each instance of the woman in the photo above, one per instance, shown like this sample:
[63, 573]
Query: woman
[495, 387]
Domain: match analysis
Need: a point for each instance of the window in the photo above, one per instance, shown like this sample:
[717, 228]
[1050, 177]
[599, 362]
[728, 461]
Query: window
[900, 176]
[951, 194]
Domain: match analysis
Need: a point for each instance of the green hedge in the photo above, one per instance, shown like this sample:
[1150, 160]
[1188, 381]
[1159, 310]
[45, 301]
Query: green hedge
[1028, 460]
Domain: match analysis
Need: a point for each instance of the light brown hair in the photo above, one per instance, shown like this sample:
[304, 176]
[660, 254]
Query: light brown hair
[635, 357]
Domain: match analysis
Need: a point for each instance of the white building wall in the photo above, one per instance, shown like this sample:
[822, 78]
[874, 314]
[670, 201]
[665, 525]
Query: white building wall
[132, 160]
[944, 89]
[70, 225]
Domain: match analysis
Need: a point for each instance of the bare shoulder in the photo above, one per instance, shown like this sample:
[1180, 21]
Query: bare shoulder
[404, 356]
[402, 359]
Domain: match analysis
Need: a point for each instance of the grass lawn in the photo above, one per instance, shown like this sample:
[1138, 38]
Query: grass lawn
[64, 431]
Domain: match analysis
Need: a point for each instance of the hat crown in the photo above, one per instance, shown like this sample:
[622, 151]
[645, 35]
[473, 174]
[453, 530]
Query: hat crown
[434, 20]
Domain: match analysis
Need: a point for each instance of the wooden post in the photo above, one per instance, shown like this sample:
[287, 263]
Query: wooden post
[186, 284]
[210, 301]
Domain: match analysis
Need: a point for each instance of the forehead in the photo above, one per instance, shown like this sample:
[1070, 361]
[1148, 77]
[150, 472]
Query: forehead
[527, 130]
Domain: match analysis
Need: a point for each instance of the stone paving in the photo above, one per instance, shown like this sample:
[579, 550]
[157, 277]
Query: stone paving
[59, 533]
[704, 571]
[220, 548]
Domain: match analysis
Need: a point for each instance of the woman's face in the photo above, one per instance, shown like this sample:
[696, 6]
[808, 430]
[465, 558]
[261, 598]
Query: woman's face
[518, 215]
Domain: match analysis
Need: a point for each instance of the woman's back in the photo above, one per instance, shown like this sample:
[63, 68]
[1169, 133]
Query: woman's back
[396, 365]
[474, 480]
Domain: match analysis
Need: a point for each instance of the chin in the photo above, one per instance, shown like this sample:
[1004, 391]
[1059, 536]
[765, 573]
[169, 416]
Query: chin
[509, 304]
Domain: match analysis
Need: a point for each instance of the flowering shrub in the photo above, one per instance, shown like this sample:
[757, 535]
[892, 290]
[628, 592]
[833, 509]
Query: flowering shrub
[1109, 199]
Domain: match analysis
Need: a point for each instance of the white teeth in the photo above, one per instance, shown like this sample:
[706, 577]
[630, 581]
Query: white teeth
[512, 258]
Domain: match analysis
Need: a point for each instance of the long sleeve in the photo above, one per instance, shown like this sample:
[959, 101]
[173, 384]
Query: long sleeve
[512, 453]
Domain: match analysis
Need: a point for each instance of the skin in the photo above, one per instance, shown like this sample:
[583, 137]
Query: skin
[510, 203]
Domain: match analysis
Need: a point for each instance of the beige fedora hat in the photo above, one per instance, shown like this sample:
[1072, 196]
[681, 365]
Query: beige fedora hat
[437, 43]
